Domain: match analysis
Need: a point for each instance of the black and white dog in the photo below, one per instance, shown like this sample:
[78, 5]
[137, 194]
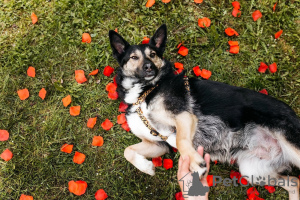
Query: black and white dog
[261, 133]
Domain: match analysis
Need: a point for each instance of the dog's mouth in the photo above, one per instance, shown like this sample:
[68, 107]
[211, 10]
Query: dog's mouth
[150, 76]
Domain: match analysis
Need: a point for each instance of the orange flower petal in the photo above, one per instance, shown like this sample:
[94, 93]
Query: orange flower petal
[274, 7]
[6, 155]
[113, 95]
[94, 72]
[67, 148]
[236, 5]
[23, 94]
[31, 71]
[183, 51]
[116, 30]
[78, 188]
[157, 162]
[150, 3]
[146, 40]
[86, 38]
[236, 12]
[233, 43]
[125, 126]
[67, 100]
[273, 68]
[111, 87]
[26, 197]
[100, 195]
[263, 67]
[168, 163]
[75, 110]
[34, 18]
[234, 49]
[178, 65]
[205, 74]
[79, 76]
[231, 32]
[42, 93]
[278, 34]
[121, 119]
[4, 135]
[78, 158]
[91, 122]
[165, 1]
[264, 91]
[97, 141]
[204, 22]
[256, 15]
[197, 71]
[108, 70]
[198, 1]
[179, 45]
[106, 125]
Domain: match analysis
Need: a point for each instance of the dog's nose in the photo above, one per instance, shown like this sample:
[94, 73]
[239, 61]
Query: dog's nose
[147, 67]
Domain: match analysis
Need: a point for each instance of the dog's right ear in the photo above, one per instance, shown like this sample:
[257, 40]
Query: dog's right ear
[118, 45]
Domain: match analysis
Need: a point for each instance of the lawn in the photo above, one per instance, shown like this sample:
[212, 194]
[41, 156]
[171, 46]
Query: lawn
[38, 128]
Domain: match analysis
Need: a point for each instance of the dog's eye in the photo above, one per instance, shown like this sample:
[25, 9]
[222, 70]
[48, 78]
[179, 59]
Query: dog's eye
[152, 55]
[134, 57]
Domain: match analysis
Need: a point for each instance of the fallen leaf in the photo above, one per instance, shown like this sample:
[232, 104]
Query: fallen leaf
[204, 22]
[106, 125]
[66, 101]
[42, 93]
[157, 162]
[6, 155]
[178, 65]
[256, 15]
[209, 180]
[108, 70]
[264, 91]
[26, 197]
[278, 34]
[91, 122]
[31, 71]
[271, 189]
[150, 3]
[178, 195]
[146, 40]
[74, 110]
[100, 195]
[78, 158]
[273, 68]
[205, 74]
[94, 72]
[23, 94]
[78, 188]
[123, 106]
[121, 119]
[197, 71]
[168, 163]
[4, 135]
[86, 38]
[113, 95]
[34, 18]
[231, 32]
[183, 51]
[234, 49]
[111, 87]
[125, 126]
[198, 1]
[262, 67]
[79, 76]
[236, 5]
[67, 148]
[274, 7]
[236, 12]
[97, 141]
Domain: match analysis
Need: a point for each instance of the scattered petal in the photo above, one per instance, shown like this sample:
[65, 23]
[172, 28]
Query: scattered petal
[97, 141]
[198, 1]
[113, 95]
[252, 192]
[278, 34]
[67, 148]
[256, 15]
[86, 38]
[178, 65]
[125, 126]
[34, 18]
[6, 155]
[106, 125]
[236, 12]
[236, 5]
[271, 189]
[205, 74]
[121, 118]
[123, 106]
[209, 180]
[26, 197]
[100, 195]
[234, 49]
[108, 70]
[78, 158]
[111, 87]
[183, 51]
[67, 100]
[31, 71]
[262, 67]
[231, 32]
[174, 149]
[78, 188]
[165, 1]
[179, 45]
[79, 76]
[94, 72]
[116, 30]
[264, 91]
[4, 135]
[146, 40]
[23, 94]
[274, 7]
[216, 162]
[150, 3]
[273, 68]
[243, 181]
[178, 71]
[168, 163]
[74, 110]
[233, 43]
[157, 162]
[91, 122]
[42, 93]
[197, 71]
[204, 22]
[235, 174]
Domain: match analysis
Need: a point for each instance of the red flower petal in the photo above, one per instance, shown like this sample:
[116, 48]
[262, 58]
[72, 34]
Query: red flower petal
[26, 197]
[75, 110]
[179, 45]
[123, 106]
[6, 155]
[264, 91]
[178, 65]
[270, 189]
[91, 122]
[146, 40]
[78, 158]
[97, 141]
[94, 72]
[86, 38]
[67, 100]
[106, 125]
[234, 49]
[209, 180]
[183, 51]
[205, 74]
[150, 3]
[204, 22]
[178, 195]
[178, 71]
[251, 192]
[157, 162]
[168, 163]
[165, 1]
[42, 93]
[113, 95]
[274, 7]
[278, 34]
[197, 71]
[79, 76]
[233, 43]
[231, 32]
[236, 12]
[236, 5]
[78, 188]
[244, 181]
[121, 119]
[125, 126]
[174, 149]
[67, 148]
[273, 68]
[108, 70]
[34, 18]
[235, 174]
[256, 15]
[262, 67]
[31, 71]
[111, 87]
[4, 135]
[216, 162]
[100, 195]
[23, 94]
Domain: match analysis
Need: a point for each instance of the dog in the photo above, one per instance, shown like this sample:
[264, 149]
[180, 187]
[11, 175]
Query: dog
[260, 133]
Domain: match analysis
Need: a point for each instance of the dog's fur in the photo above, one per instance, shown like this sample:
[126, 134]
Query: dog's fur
[259, 132]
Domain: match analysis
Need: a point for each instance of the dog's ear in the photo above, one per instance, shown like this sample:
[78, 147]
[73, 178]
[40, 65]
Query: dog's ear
[159, 38]
[118, 45]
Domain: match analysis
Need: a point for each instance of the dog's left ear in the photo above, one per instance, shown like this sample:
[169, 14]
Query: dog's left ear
[159, 38]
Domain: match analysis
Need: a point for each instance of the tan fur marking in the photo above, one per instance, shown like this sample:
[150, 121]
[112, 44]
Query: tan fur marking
[158, 62]
[131, 66]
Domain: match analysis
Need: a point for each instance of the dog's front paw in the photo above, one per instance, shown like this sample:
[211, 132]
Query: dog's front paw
[198, 164]
[148, 168]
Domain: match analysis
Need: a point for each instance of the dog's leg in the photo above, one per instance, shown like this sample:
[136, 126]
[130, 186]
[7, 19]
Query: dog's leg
[291, 184]
[186, 124]
[136, 154]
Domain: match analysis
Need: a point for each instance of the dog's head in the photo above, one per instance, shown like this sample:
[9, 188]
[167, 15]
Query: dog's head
[144, 61]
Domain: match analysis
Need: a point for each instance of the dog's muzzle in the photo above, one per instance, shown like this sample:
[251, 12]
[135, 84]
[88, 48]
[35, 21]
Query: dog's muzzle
[148, 71]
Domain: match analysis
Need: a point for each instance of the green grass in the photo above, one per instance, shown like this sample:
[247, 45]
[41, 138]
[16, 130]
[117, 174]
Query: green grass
[53, 46]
